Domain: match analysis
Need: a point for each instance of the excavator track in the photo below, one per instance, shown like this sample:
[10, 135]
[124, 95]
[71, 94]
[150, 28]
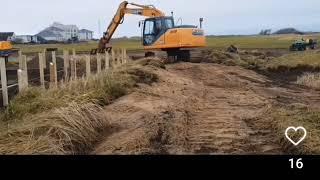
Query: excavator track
[184, 55]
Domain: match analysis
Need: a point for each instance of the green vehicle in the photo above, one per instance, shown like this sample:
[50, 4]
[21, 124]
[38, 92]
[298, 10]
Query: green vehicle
[302, 45]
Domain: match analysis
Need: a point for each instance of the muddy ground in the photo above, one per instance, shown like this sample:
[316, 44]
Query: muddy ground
[200, 109]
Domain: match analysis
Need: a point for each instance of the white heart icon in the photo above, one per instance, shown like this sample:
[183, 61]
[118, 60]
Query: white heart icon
[296, 129]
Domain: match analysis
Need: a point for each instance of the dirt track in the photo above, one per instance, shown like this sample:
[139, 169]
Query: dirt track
[198, 109]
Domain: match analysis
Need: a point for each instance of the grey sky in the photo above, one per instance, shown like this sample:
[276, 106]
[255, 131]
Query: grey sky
[221, 16]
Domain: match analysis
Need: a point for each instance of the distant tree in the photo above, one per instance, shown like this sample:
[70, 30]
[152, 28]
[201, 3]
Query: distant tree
[265, 32]
[289, 31]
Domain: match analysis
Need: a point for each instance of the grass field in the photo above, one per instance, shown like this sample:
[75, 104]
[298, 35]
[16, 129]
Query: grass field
[293, 60]
[244, 42]
[129, 44]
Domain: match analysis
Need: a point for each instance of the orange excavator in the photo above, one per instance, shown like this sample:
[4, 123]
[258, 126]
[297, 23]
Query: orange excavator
[6, 50]
[159, 32]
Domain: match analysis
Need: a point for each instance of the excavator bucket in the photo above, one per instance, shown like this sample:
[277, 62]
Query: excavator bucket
[96, 51]
[102, 48]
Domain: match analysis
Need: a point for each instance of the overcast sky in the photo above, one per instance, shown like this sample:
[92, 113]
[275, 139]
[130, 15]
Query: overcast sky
[221, 16]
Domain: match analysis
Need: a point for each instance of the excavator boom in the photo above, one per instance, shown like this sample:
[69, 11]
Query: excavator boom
[142, 10]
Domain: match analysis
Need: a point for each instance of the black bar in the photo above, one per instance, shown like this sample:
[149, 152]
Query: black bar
[192, 164]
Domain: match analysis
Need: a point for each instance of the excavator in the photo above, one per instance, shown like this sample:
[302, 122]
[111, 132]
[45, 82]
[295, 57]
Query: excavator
[6, 50]
[159, 33]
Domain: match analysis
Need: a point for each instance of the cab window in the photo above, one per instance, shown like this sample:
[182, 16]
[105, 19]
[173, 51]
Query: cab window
[169, 23]
[149, 32]
[149, 28]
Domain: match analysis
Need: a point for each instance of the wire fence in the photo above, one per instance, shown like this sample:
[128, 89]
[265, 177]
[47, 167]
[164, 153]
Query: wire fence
[52, 69]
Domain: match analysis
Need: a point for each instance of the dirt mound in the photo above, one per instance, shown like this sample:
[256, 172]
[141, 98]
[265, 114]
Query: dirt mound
[195, 109]
[232, 49]
[250, 59]
[220, 57]
[153, 61]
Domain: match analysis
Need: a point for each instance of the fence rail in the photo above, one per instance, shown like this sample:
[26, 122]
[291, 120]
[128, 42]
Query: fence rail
[69, 70]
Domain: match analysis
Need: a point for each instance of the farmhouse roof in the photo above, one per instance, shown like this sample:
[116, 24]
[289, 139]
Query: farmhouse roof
[85, 31]
[51, 32]
[63, 27]
[5, 35]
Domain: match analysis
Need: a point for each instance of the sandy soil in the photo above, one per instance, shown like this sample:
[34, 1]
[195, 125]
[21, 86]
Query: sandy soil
[199, 109]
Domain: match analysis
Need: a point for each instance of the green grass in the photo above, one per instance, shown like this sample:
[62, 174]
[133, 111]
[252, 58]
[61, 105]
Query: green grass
[244, 42]
[87, 47]
[249, 42]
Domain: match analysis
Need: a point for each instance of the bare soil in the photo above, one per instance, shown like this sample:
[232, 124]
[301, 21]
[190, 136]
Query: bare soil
[200, 109]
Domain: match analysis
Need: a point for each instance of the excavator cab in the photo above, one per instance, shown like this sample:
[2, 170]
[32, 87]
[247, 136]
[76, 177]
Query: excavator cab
[153, 28]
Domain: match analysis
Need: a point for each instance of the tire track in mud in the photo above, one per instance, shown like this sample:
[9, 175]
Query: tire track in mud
[220, 125]
[194, 109]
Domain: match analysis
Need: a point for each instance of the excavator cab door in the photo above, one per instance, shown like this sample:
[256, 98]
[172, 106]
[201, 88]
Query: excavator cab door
[149, 32]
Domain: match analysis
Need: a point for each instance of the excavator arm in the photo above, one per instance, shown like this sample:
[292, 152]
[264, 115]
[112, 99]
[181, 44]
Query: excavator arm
[141, 10]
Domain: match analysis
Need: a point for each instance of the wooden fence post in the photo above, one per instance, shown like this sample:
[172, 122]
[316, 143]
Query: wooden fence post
[24, 69]
[24, 63]
[98, 63]
[73, 68]
[119, 57]
[124, 53]
[66, 64]
[55, 73]
[44, 59]
[4, 82]
[107, 60]
[41, 69]
[113, 57]
[74, 64]
[53, 83]
[20, 59]
[22, 80]
[88, 66]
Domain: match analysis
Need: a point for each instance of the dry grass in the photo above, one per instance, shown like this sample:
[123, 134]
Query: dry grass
[101, 89]
[68, 130]
[246, 59]
[298, 60]
[297, 115]
[69, 119]
[310, 79]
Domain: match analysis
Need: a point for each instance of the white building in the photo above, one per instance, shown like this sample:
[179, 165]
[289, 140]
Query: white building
[62, 33]
[69, 31]
[26, 39]
[85, 35]
[52, 34]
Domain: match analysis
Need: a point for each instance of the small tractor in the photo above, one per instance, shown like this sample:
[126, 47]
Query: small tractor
[302, 45]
